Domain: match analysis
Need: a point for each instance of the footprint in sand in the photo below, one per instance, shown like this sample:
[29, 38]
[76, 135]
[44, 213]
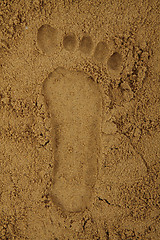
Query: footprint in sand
[74, 101]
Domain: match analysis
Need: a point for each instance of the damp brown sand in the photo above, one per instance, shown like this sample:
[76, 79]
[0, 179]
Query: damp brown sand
[79, 120]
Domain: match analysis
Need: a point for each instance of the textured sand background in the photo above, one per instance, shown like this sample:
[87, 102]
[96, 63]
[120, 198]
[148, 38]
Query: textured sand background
[122, 56]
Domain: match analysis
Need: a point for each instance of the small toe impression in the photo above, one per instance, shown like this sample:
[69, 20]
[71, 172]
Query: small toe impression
[115, 61]
[69, 42]
[101, 51]
[47, 38]
[86, 45]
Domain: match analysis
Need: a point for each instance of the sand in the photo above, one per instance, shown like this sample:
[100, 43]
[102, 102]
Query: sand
[79, 119]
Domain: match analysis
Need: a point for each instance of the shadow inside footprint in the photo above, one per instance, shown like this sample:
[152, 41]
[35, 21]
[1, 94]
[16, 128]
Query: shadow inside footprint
[74, 102]
[69, 42]
[101, 51]
[47, 38]
[86, 45]
[115, 61]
